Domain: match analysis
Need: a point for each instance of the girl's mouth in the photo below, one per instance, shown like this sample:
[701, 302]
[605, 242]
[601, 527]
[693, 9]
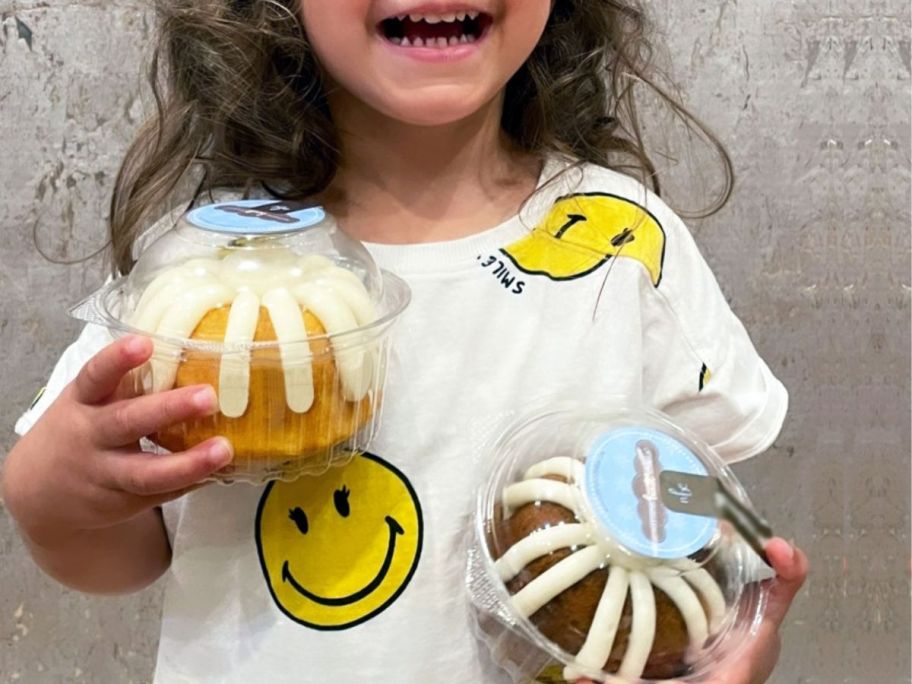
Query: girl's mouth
[445, 30]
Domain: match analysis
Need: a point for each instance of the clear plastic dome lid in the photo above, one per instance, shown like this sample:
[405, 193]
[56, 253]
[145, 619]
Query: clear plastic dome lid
[609, 542]
[256, 248]
[257, 245]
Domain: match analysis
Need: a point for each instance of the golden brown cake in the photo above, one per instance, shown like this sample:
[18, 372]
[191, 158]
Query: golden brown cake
[269, 430]
[283, 339]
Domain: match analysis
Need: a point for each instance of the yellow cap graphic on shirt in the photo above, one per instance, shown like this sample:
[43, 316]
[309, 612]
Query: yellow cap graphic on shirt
[339, 548]
[582, 231]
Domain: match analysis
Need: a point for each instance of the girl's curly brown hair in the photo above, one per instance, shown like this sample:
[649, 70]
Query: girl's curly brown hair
[240, 100]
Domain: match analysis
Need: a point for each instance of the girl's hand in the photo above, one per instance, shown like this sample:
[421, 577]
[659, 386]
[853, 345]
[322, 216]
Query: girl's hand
[757, 663]
[80, 467]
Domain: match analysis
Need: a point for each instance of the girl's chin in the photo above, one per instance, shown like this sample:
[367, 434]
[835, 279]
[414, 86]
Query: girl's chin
[433, 104]
[430, 112]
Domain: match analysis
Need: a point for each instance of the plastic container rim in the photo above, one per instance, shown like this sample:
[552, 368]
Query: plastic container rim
[395, 291]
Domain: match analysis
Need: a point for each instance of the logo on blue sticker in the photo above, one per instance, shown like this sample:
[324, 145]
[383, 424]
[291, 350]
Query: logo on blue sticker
[621, 485]
[256, 217]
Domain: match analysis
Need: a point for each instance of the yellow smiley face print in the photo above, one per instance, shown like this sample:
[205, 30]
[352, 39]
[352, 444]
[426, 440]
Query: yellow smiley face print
[338, 549]
[582, 231]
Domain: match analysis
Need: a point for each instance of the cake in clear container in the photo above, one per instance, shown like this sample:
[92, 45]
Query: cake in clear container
[583, 563]
[283, 314]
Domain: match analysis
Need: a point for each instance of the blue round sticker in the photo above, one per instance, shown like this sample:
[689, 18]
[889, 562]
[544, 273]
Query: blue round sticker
[256, 217]
[621, 485]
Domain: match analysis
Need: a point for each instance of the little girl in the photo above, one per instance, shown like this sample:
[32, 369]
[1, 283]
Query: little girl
[475, 147]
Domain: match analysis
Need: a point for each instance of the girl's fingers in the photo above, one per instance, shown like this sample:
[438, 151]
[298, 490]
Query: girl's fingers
[128, 420]
[791, 566]
[101, 376]
[162, 499]
[154, 475]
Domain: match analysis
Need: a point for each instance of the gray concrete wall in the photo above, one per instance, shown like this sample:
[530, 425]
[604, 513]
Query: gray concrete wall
[811, 96]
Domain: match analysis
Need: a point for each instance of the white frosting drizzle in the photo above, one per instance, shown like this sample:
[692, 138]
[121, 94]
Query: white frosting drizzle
[155, 308]
[708, 589]
[293, 348]
[153, 292]
[642, 628]
[336, 318]
[600, 640]
[314, 262]
[528, 491]
[351, 293]
[340, 274]
[683, 580]
[175, 302]
[180, 319]
[234, 370]
[687, 602]
[540, 543]
[559, 577]
[563, 466]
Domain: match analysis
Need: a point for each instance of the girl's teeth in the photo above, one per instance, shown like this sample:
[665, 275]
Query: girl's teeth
[438, 42]
[437, 18]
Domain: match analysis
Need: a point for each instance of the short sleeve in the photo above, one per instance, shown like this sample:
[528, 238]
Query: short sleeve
[701, 367]
[92, 340]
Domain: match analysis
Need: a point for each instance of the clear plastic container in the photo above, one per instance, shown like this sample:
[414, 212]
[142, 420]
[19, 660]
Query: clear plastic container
[577, 569]
[282, 313]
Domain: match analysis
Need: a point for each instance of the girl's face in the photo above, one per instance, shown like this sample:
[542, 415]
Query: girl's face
[424, 62]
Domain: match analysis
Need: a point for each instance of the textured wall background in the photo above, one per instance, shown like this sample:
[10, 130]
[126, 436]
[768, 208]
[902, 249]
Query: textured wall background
[811, 96]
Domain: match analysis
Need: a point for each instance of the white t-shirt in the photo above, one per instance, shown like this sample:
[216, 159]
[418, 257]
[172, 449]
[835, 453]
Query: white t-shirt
[605, 300]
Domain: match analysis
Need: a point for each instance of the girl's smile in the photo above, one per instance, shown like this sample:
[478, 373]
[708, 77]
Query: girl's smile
[440, 35]
[422, 62]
